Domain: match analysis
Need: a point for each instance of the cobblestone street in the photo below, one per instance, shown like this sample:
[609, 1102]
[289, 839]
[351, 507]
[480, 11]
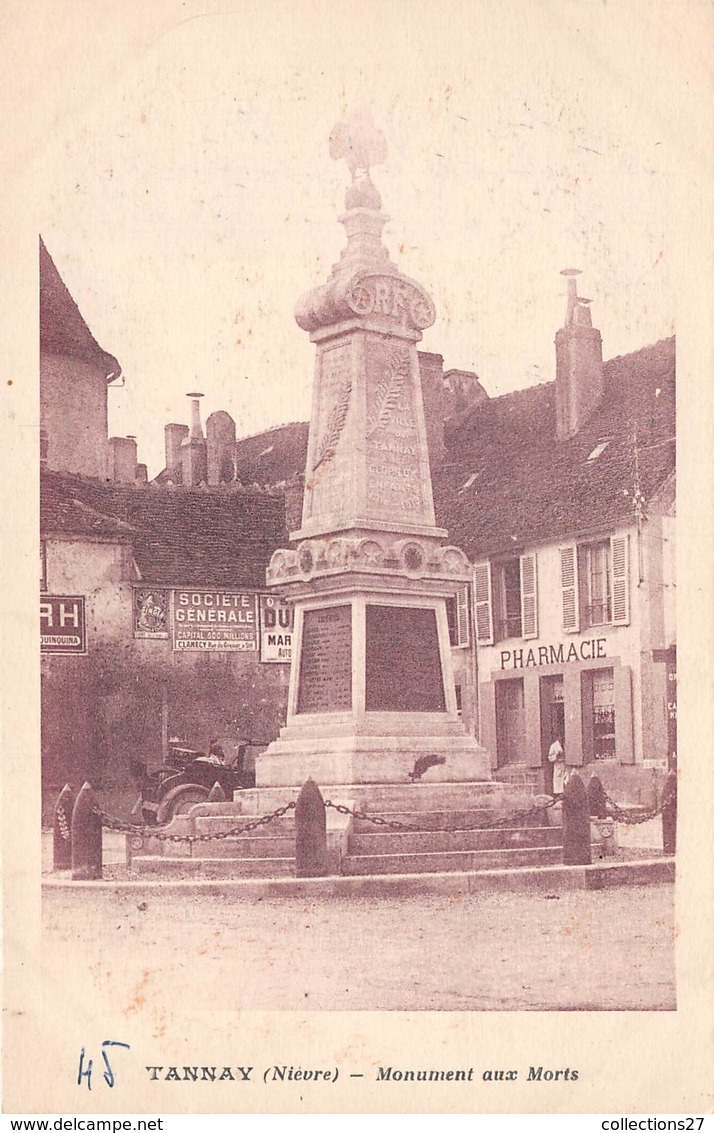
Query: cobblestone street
[582, 950]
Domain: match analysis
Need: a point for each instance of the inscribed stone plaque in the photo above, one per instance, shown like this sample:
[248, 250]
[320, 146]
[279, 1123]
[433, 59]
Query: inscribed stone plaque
[403, 661]
[326, 660]
[394, 485]
[329, 472]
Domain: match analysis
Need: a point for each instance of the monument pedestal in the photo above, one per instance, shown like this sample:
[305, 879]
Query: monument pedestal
[371, 691]
[369, 759]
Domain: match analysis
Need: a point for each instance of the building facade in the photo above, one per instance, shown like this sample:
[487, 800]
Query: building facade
[566, 504]
[155, 624]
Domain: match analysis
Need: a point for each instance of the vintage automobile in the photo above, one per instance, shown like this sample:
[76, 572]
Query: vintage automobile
[186, 779]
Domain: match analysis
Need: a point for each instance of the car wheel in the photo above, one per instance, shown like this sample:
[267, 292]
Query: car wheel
[179, 800]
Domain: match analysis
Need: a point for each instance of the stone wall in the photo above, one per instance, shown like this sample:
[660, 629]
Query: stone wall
[127, 693]
[76, 425]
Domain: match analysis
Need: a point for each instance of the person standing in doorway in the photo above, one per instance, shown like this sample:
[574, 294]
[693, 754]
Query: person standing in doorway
[556, 756]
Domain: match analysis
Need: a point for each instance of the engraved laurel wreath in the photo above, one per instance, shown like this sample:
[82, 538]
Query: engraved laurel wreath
[335, 424]
[389, 390]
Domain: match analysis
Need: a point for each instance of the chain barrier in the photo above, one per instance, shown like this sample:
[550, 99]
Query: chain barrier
[156, 832]
[627, 817]
[409, 827]
[632, 817]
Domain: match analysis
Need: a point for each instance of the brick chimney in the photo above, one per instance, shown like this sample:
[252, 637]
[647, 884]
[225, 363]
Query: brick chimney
[194, 457]
[221, 444]
[174, 435]
[579, 377]
[122, 459]
[462, 390]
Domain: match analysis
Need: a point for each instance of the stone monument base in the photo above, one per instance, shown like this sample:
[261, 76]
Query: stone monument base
[385, 752]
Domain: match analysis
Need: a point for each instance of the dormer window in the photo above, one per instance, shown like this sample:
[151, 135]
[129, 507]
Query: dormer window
[598, 450]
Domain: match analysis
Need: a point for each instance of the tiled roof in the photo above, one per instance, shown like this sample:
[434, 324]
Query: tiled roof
[273, 457]
[507, 482]
[62, 329]
[181, 536]
[63, 511]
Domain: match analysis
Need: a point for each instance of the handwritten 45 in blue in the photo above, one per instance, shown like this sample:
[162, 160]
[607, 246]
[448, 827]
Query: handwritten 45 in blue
[108, 1073]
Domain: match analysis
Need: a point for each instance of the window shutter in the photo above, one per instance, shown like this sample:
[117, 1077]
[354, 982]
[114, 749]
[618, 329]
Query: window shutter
[483, 612]
[619, 549]
[529, 596]
[462, 616]
[569, 588]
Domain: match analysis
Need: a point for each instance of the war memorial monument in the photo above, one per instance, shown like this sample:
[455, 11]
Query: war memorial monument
[371, 688]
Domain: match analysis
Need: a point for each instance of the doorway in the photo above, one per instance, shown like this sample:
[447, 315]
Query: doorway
[510, 722]
[552, 722]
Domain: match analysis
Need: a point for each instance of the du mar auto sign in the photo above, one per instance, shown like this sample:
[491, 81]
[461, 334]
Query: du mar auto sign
[276, 629]
[63, 624]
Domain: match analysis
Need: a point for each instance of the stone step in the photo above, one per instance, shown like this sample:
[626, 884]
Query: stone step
[434, 797]
[444, 819]
[214, 868]
[384, 796]
[459, 861]
[519, 776]
[245, 847]
[219, 824]
[445, 841]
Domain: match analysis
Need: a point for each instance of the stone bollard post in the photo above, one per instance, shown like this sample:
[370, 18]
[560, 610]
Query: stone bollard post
[669, 813]
[86, 837]
[597, 802]
[576, 823]
[216, 794]
[310, 832]
[62, 829]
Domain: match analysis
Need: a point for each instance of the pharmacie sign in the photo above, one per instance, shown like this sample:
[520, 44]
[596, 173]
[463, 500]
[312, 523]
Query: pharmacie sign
[210, 621]
[590, 649]
[277, 620]
[63, 624]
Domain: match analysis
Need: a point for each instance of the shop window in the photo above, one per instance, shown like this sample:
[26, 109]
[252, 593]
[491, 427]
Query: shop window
[603, 714]
[457, 615]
